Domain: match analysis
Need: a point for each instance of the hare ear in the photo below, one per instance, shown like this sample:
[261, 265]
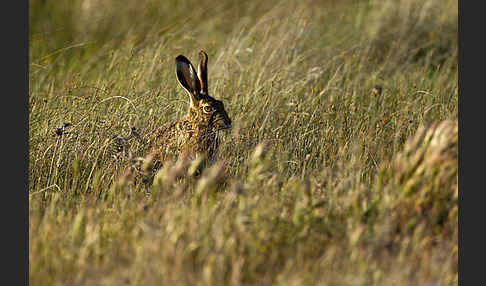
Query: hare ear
[202, 72]
[187, 77]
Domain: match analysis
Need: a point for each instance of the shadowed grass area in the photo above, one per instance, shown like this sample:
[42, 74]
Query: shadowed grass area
[324, 179]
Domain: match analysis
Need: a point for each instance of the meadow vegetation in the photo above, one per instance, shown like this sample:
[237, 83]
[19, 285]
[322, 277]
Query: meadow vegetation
[323, 180]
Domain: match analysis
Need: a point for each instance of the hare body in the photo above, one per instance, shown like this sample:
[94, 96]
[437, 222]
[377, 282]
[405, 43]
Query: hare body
[196, 133]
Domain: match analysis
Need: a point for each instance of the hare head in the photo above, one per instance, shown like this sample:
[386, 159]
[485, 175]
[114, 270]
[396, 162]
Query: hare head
[197, 132]
[204, 110]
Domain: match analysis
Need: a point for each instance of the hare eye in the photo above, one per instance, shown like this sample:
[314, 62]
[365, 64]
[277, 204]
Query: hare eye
[207, 109]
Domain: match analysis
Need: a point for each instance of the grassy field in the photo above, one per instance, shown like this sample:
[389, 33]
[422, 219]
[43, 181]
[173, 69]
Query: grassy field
[321, 180]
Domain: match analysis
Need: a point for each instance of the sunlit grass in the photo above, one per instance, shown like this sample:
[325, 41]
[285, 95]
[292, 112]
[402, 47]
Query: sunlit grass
[315, 184]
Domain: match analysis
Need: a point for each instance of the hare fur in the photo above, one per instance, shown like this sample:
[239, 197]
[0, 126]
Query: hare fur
[195, 134]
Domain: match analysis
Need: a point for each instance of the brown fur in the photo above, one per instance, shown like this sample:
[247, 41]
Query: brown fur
[196, 133]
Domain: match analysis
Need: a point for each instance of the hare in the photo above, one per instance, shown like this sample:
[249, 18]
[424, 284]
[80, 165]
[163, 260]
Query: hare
[195, 134]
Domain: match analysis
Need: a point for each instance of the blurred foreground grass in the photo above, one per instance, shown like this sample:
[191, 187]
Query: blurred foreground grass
[320, 181]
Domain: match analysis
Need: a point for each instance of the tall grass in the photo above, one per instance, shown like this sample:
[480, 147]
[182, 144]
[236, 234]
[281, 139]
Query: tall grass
[320, 181]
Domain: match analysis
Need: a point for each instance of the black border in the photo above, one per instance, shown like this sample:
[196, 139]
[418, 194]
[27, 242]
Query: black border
[471, 90]
[15, 91]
